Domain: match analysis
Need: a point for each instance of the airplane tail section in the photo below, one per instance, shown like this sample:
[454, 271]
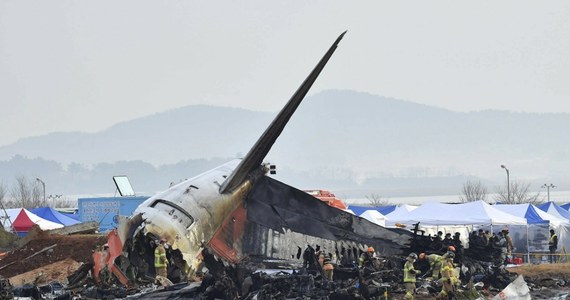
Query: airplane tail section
[257, 153]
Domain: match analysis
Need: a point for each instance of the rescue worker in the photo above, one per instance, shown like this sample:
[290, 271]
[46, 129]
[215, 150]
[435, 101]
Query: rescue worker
[437, 241]
[328, 267]
[160, 261]
[450, 249]
[509, 240]
[501, 245]
[366, 259]
[321, 257]
[552, 245]
[448, 278]
[410, 276]
[435, 262]
[447, 241]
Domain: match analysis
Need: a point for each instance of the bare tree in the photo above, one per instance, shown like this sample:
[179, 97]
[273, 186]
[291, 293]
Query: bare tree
[27, 193]
[61, 201]
[473, 191]
[519, 193]
[2, 191]
[377, 200]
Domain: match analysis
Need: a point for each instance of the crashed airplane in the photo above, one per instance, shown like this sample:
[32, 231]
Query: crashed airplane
[236, 211]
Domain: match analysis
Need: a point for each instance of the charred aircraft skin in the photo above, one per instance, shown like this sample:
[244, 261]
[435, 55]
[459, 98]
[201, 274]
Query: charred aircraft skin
[211, 209]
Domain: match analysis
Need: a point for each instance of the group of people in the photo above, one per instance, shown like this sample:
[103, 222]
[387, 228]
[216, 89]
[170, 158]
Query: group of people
[441, 244]
[440, 265]
[499, 244]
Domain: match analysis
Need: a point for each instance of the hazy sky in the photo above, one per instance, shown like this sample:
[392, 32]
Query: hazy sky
[86, 65]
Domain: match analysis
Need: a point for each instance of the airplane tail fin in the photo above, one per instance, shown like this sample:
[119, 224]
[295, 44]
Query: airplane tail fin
[257, 153]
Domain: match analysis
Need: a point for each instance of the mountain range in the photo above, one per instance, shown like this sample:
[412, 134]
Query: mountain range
[354, 139]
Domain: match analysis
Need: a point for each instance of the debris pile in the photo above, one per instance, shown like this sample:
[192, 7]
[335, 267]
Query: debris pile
[65, 265]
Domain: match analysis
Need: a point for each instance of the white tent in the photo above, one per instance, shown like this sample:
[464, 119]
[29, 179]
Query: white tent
[7, 221]
[401, 210]
[526, 209]
[374, 216]
[471, 213]
[25, 219]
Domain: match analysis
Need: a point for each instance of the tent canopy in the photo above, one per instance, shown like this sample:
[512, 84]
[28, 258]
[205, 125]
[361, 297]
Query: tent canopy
[384, 210]
[8, 220]
[53, 215]
[532, 214]
[526, 211]
[374, 216]
[26, 219]
[555, 210]
[472, 213]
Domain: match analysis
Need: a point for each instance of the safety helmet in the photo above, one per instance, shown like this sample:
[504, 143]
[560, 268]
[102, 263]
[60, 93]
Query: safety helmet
[413, 255]
[451, 248]
[370, 249]
[422, 255]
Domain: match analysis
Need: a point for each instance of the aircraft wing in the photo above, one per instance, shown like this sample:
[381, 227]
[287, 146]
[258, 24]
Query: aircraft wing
[278, 206]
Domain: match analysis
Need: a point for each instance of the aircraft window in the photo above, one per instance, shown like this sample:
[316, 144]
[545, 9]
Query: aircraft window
[177, 213]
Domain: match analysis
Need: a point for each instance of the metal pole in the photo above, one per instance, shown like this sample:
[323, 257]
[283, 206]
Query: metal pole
[43, 186]
[508, 184]
[548, 186]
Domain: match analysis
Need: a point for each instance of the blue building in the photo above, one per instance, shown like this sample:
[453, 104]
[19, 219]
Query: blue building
[106, 210]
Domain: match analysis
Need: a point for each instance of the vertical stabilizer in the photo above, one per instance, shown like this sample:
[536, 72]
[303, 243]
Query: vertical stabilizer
[257, 153]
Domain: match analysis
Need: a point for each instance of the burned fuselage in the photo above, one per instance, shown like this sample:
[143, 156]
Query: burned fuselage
[189, 214]
[215, 209]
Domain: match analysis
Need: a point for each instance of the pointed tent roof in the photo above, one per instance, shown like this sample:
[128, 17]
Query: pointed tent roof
[533, 214]
[26, 219]
[12, 214]
[401, 210]
[472, 213]
[374, 216]
[566, 206]
[555, 210]
[53, 215]
[384, 210]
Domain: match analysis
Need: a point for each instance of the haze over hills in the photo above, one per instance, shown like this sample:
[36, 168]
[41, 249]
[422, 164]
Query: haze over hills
[352, 141]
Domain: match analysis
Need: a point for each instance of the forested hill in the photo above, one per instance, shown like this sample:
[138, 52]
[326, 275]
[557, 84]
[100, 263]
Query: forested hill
[337, 134]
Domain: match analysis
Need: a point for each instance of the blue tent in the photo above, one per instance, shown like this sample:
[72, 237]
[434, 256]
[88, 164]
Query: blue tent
[526, 211]
[554, 209]
[53, 215]
[358, 210]
[71, 215]
[566, 206]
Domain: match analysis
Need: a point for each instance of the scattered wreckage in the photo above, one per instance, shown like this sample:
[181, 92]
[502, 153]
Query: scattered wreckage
[299, 276]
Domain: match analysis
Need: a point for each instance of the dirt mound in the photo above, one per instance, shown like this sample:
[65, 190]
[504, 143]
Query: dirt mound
[77, 247]
[543, 271]
[6, 238]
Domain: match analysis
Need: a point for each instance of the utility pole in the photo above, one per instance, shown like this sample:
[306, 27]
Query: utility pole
[548, 186]
[508, 184]
[43, 186]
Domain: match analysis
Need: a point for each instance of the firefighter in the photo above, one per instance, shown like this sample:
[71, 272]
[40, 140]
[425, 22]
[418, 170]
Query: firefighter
[435, 262]
[509, 241]
[328, 267]
[552, 244]
[448, 278]
[366, 259]
[410, 276]
[160, 261]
